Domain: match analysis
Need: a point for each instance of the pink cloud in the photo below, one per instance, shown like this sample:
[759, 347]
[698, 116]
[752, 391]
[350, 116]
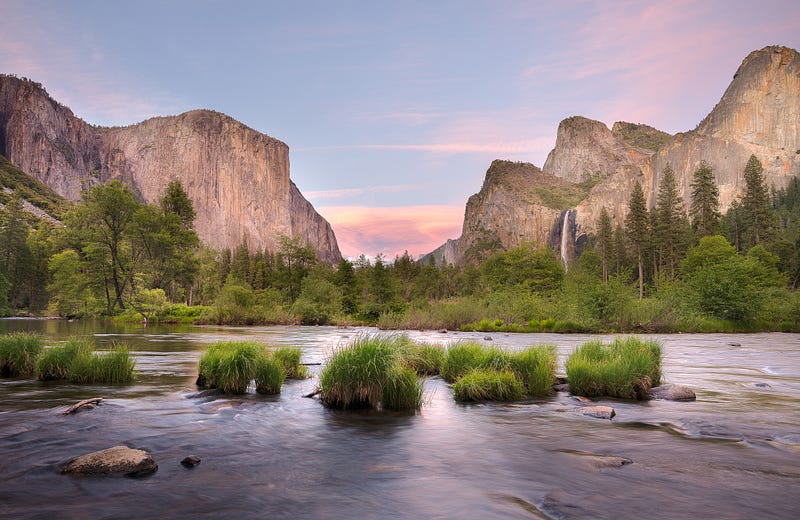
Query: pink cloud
[393, 230]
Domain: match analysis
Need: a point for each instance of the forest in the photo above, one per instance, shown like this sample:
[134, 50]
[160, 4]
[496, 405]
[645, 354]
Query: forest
[679, 266]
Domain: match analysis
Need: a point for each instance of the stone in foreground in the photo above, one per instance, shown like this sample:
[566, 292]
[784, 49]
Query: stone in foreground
[673, 393]
[119, 460]
[191, 461]
[601, 412]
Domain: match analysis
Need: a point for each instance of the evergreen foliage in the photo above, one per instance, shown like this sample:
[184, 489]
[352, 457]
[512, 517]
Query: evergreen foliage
[704, 209]
[637, 228]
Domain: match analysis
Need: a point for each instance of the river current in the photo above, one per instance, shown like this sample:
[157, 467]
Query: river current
[732, 453]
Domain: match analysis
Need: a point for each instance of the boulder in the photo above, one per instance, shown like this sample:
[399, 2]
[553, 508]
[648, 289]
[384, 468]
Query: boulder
[672, 392]
[600, 412]
[119, 460]
[191, 461]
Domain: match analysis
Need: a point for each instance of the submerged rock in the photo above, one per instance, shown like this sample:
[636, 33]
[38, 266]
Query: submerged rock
[672, 392]
[563, 387]
[119, 460]
[191, 461]
[600, 412]
[601, 461]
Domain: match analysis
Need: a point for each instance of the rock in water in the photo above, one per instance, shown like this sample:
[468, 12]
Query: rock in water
[601, 412]
[671, 392]
[191, 461]
[119, 460]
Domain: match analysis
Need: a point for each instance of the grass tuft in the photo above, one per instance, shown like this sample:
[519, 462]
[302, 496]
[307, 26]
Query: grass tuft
[56, 363]
[289, 359]
[18, 353]
[626, 368]
[115, 367]
[229, 366]
[402, 390]
[269, 374]
[481, 384]
[536, 368]
[425, 360]
[355, 375]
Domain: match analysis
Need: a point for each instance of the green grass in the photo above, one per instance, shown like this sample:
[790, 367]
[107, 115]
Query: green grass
[269, 374]
[229, 366]
[355, 375]
[402, 390]
[289, 359]
[18, 354]
[115, 367]
[463, 357]
[424, 360]
[55, 362]
[626, 368]
[536, 368]
[488, 385]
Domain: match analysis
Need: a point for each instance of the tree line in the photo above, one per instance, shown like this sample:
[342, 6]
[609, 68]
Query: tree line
[676, 266]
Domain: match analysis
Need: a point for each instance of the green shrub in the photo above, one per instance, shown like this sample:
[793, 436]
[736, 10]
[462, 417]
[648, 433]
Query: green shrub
[55, 363]
[18, 353]
[536, 368]
[488, 385]
[355, 375]
[425, 360]
[626, 368]
[402, 390]
[289, 359]
[113, 367]
[269, 375]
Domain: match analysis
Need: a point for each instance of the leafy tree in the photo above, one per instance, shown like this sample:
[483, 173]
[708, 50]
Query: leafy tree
[319, 300]
[536, 269]
[346, 280]
[70, 292]
[15, 255]
[177, 202]
[638, 229]
[704, 209]
[294, 262]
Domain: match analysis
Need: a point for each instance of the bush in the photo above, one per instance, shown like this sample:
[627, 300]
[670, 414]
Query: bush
[269, 374]
[18, 353]
[488, 385]
[536, 368]
[626, 368]
[402, 390]
[114, 367]
[55, 363]
[229, 366]
[289, 359]
[355, 375]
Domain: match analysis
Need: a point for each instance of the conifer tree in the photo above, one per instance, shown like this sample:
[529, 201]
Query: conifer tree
[670, 221]
[638, 229]
[705, 202]
[758, 214]
[605, 242]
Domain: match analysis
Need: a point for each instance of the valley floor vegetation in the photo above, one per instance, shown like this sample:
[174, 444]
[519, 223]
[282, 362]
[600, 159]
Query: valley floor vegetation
[676, 267]
[232, 366]
[23, 355]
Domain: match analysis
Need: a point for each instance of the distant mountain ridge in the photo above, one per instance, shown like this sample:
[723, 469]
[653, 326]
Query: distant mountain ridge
[237, 178]
[759, 114]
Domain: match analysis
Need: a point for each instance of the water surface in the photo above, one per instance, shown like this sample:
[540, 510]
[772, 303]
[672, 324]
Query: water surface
[733, 453]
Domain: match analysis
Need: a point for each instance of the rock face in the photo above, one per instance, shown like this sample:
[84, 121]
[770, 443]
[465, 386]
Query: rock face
[119, 460]
[237, 178]
[758, 114]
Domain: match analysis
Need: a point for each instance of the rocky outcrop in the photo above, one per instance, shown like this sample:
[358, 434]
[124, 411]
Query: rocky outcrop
[237, 178]
[119, 460]
[758, 114]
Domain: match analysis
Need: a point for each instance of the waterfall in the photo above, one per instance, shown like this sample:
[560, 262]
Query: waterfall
[566, 238]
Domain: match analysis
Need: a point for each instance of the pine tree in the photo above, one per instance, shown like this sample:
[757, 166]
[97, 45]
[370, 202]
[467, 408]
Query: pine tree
[705, 202]
[758, 214]
[638, 229]
[605, 242]
[670, 221]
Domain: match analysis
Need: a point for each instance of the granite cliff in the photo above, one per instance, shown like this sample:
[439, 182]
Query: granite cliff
[759, 114]
[237, 178]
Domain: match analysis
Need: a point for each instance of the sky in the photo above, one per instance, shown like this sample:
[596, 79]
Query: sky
[393, 110]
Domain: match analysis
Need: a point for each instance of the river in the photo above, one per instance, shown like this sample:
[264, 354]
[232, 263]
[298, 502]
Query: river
[733, 453]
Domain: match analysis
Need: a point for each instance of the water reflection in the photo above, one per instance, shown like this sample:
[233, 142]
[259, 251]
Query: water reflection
[731, 454]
